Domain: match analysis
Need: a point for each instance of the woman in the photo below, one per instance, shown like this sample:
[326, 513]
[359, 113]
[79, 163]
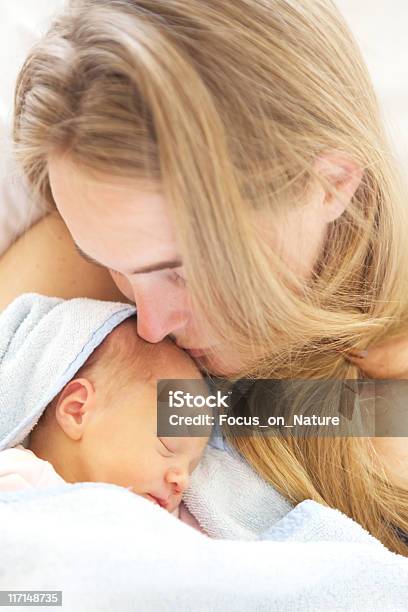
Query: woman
[225, 161]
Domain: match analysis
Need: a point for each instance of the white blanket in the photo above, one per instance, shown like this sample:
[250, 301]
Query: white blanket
[108, 549]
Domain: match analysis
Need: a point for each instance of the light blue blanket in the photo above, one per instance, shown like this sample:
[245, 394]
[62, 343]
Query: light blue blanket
[108, 549]
[43, 343]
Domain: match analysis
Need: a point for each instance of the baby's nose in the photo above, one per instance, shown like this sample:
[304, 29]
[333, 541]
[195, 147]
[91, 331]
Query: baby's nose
[178, 479]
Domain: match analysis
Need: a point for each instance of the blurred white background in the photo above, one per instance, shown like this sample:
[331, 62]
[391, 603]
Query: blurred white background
[379, 26]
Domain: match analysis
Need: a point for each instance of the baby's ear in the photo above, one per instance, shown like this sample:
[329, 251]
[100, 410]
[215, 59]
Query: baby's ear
[76, 406]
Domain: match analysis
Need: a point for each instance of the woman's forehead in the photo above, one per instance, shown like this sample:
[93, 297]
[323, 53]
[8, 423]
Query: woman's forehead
[110, 208]
[73, 186]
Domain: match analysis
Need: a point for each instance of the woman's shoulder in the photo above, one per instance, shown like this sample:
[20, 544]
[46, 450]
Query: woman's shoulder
[44, 260]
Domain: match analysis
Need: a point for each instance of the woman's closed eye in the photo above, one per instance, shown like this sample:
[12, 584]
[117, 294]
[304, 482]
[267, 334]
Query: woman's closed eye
[174, 275]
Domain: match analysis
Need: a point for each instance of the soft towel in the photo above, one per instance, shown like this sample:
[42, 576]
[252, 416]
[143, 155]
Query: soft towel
[43, 343]
[107, 548]
[229, 499]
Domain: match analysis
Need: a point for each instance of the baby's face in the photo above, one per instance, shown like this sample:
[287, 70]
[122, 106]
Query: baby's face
[121, 446]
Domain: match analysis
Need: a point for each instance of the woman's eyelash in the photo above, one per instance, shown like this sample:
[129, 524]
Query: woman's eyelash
[175, 277]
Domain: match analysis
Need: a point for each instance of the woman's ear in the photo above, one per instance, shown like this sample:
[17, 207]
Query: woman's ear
[343, 174]
[75, 408]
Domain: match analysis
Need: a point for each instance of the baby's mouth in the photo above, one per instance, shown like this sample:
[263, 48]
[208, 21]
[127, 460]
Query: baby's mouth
[157, 500]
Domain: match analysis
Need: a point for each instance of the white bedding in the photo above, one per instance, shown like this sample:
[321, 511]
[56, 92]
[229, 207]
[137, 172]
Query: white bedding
[21, 23]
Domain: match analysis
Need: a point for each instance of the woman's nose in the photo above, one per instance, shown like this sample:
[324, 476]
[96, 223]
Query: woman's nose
[178, 479]
[157, 317]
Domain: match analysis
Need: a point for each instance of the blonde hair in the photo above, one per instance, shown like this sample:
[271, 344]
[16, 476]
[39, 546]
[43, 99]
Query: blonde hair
[226, 105]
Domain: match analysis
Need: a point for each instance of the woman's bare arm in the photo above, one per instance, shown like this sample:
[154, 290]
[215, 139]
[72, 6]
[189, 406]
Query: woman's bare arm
[44, 260]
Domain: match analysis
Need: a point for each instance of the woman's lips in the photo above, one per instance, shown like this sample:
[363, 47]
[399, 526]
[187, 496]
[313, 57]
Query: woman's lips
[197, 352]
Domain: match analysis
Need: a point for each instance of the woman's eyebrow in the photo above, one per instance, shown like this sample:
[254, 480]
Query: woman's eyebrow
[162, 265]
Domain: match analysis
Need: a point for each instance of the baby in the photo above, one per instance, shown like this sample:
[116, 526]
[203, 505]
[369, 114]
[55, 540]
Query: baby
[101, 427]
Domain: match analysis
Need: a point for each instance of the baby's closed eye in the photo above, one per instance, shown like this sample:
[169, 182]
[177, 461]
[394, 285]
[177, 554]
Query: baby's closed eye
[171, 452]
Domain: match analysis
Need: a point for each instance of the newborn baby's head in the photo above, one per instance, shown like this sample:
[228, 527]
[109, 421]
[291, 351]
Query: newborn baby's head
[102, 426]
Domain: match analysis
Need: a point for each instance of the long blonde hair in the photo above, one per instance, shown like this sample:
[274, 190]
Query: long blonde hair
[226, 105]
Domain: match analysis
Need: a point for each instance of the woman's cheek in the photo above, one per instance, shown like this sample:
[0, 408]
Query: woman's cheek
[123, 285]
